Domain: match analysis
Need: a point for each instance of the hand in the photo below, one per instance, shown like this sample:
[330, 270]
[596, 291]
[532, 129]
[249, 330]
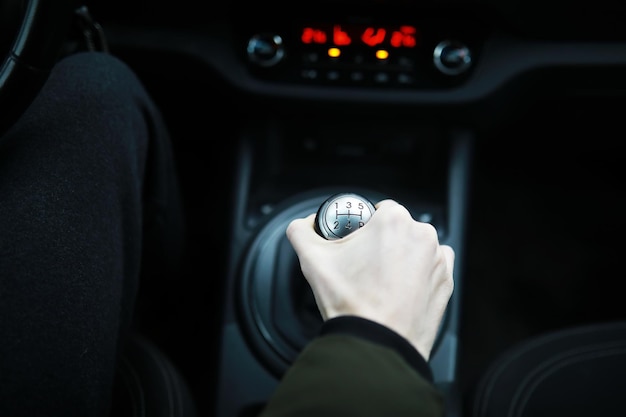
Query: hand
[392, 271]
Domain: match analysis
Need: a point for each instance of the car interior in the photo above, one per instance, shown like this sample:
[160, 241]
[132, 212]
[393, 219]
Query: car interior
[498, 121]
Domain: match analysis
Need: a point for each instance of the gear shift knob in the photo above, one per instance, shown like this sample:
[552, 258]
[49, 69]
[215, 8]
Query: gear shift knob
[342, 214]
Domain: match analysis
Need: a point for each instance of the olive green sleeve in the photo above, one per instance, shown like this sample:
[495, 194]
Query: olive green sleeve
[340, 375]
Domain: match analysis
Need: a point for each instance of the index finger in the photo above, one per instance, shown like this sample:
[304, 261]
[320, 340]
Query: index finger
[385, 202]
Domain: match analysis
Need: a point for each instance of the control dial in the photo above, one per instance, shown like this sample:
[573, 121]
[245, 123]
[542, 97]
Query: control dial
[452, 57]
[265, 49]
[342, 214]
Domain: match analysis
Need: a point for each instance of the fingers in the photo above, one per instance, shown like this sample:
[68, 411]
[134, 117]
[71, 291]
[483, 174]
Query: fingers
[391, 216]
[396, 215]
[449, 254]
[384, 203]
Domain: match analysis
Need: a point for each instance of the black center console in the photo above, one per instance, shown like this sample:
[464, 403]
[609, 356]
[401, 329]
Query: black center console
[286, 169]
[335, 107]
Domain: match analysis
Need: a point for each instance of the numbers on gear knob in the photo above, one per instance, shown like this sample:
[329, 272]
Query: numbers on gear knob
[342, 214]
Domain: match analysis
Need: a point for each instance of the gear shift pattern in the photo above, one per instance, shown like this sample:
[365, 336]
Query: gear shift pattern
[342, 214]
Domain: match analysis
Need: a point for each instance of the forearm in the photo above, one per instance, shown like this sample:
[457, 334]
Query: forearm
[344, 373]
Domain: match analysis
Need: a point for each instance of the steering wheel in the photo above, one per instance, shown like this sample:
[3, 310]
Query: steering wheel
[42, 27]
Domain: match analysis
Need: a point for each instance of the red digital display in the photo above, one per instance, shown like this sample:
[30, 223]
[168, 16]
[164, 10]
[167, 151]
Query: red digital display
[402, 36]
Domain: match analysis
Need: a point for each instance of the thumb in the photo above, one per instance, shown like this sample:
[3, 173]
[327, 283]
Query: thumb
[301, 232]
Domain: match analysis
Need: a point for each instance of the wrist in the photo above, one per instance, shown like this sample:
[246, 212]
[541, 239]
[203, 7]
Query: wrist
[382, 335]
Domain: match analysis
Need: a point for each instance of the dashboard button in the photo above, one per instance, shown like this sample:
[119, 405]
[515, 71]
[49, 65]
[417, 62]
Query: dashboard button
[452, 57]
[265, 49]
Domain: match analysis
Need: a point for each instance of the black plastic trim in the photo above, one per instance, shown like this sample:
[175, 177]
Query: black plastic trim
[504, 58]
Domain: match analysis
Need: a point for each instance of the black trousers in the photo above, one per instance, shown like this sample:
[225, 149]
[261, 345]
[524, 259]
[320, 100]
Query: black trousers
[87, 181]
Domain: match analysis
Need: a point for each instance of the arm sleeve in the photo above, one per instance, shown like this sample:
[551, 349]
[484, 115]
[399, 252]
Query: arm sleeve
[379, 334]
[347, 371]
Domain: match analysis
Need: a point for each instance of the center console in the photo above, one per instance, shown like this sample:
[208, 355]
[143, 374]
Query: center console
[333, 111]
[286, 169]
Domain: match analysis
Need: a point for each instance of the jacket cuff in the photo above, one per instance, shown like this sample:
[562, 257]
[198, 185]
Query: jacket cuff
[381, 335]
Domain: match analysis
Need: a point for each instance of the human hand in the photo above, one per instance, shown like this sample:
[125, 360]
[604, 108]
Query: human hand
[392, 271]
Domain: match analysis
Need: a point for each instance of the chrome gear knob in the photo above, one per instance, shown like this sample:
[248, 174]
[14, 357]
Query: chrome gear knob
[342, 214]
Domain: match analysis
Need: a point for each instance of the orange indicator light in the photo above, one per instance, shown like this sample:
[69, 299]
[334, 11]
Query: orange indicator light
[334, 52]
[382, 54]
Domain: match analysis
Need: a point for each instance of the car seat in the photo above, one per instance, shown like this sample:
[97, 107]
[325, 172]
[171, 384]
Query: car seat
[577, 371]
[148, 384]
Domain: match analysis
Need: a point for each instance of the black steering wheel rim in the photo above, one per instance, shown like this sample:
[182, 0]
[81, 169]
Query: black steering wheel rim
[45, 26]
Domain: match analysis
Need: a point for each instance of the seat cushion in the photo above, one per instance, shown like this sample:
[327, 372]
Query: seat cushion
[148, 384]
[573, 372]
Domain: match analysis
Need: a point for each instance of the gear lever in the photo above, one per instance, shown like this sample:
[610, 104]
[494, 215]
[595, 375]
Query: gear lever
[342, 214]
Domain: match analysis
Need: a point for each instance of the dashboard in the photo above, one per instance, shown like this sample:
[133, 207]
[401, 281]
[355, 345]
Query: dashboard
[454, 58]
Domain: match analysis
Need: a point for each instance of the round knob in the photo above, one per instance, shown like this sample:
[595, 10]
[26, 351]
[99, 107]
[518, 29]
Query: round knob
[265, 49]
[342, 214]
[452, 58]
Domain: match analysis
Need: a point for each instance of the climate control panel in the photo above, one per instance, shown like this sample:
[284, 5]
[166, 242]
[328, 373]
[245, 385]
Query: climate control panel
[363, 52]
